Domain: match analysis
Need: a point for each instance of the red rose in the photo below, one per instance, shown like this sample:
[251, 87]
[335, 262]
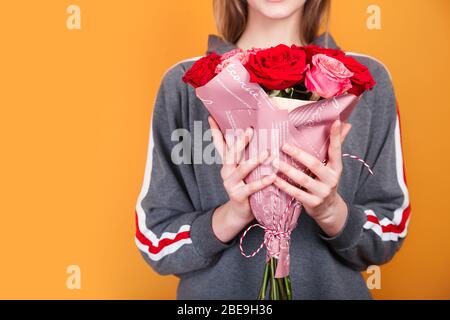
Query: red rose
[362, 79]
[202, 71]
[312, 50]
[277, 68]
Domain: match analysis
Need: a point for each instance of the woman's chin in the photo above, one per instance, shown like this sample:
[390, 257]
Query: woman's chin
[276, 9]
[277, 12]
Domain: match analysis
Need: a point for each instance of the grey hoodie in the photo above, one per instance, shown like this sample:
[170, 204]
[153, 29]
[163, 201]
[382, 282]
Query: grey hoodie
[176, 203]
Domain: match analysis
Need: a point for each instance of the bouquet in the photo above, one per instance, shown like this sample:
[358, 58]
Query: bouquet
[288, 94]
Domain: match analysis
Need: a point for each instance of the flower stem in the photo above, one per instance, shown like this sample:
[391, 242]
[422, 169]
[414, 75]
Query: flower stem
[287, 283]
[265, 282]
[274, 294]
[282, 287]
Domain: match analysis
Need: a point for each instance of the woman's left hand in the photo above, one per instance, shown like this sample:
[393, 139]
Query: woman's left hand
[319, 196]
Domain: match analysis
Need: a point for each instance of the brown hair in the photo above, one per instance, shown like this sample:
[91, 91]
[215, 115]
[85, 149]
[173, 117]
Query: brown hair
[231, 18]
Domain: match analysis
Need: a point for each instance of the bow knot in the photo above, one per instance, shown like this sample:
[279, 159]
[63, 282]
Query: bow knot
[270, 235]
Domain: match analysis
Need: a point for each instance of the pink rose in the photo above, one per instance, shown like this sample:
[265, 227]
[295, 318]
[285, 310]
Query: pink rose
[226, 58]
[241, 55]
[253, 50]
[327, 77]
[231, 54]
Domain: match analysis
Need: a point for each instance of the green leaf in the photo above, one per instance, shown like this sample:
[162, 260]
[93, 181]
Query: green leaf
[274, 93]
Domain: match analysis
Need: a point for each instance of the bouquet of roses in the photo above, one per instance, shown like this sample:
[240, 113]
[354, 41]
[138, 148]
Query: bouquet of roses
[288, 95]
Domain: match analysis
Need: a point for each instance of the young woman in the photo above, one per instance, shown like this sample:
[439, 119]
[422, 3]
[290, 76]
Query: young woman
[191, 215]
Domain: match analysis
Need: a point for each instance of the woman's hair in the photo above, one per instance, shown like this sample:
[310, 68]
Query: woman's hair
[231, 18]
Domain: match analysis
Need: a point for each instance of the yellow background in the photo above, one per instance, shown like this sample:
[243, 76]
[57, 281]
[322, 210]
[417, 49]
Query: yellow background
[75, 115]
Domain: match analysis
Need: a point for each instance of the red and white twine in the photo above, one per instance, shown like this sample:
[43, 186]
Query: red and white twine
[358, 159]
[269, 234]
[280, 234]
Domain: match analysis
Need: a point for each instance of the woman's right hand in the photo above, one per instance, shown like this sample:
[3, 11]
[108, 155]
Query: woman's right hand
[230, 218]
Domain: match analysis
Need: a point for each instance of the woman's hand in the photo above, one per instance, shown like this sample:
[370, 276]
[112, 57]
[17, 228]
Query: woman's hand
[229, 219]
[319, 196]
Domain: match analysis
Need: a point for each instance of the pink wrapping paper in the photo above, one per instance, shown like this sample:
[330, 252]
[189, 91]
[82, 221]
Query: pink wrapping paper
[236, 103]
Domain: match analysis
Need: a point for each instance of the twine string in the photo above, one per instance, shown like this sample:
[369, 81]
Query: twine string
[283, 234]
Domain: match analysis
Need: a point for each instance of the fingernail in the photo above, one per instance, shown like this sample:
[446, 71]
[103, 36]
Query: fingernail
[276, 163]
[264, 155]
[288, 147]
[248, 131]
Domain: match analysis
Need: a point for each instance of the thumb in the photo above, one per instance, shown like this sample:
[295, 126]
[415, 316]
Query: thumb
[345, 129]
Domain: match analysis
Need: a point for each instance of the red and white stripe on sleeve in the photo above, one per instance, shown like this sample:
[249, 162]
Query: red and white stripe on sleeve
[146, 240]
[386, 229]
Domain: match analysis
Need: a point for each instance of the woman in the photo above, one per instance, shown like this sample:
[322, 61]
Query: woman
[191, 215]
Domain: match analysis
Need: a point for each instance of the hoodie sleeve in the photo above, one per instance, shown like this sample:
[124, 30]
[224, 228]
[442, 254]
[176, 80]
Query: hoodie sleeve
[379, 213]
[173, 234]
